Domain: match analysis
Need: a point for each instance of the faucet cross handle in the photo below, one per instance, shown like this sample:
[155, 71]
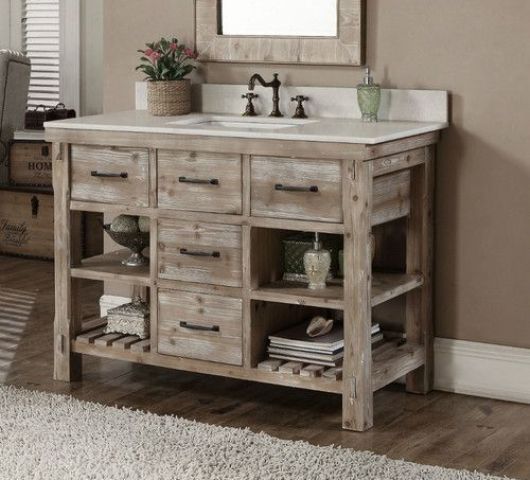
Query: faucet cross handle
[250, 111]
[300, 111]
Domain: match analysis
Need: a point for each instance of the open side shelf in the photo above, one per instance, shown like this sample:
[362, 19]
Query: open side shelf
[108, 267]
[385, 286]
[298, 294]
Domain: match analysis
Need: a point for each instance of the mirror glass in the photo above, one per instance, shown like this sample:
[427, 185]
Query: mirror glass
[279, 18]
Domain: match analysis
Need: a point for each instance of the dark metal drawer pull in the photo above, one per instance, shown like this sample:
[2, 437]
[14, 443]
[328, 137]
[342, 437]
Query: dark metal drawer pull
[95, 173]
[201, 328]
[185, 251]
[211, 181]
[287, 188]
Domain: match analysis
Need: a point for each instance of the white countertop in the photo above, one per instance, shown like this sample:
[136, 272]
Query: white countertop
[315, 130]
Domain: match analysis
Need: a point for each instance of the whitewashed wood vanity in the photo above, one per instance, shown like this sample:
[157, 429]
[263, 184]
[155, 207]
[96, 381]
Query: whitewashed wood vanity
[216, 194]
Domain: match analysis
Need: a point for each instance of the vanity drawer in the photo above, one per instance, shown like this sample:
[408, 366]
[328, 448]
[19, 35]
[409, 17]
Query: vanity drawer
[199, 182]
[200, 252]
[295, 188]
[110, 175]
[204, 327]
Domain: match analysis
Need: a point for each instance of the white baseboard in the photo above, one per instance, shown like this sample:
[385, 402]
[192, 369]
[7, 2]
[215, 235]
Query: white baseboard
[483, 370]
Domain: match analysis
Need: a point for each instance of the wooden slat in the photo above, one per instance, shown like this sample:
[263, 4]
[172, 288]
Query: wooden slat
[293, 368]
[334, 373]
[270, 365]
[107, 340]
[125, 343]
[141, 346]
[91, 335]
[312, 371]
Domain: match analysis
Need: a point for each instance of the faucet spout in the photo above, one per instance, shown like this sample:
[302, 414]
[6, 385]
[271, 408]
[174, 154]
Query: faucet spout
[275, 84]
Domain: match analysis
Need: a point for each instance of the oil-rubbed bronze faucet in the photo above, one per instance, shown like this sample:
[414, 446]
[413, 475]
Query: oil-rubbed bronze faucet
[275, 85]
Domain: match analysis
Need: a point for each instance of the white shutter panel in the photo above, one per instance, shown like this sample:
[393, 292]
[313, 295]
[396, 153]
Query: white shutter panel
[42, 46]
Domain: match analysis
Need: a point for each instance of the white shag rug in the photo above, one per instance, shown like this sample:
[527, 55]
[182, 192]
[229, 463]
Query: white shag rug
[48, 437]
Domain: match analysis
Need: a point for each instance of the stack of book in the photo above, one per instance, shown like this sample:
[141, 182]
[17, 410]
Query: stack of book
[293, 344]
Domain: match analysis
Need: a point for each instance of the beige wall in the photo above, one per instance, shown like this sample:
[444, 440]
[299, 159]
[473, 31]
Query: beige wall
[91, 56]
[476, 49]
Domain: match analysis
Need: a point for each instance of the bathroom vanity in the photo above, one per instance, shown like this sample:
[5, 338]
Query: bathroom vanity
[221, 193]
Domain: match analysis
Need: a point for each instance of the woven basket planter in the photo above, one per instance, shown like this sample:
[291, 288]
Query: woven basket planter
[165, 99]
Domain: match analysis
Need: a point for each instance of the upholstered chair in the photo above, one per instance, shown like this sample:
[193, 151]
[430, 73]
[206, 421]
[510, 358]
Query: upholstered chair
[14, 85]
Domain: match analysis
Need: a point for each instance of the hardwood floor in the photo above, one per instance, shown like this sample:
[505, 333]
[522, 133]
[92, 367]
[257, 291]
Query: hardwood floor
[440, 428]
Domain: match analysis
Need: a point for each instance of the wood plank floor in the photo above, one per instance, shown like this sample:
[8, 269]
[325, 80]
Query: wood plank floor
[440, 429]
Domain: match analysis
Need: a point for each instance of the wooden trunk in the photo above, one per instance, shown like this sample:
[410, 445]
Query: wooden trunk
[26, 223]
[30, 164]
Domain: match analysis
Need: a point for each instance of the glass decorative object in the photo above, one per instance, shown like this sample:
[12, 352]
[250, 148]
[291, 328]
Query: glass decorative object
[317, 263]
[369, 98]
[294, 247]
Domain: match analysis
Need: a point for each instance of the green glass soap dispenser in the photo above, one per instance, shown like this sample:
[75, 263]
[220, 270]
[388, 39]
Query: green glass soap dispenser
[369, 97]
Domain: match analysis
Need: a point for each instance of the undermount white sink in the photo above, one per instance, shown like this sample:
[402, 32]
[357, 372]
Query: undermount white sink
[239, 123]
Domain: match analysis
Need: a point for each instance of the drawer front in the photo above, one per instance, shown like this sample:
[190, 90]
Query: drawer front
[298, 189]
[199, 182]
[110, 175]
[200, 252]
[204, 327]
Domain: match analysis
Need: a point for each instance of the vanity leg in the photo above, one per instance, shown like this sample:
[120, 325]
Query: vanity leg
[419, 314]
[67, 365]
[357, 396]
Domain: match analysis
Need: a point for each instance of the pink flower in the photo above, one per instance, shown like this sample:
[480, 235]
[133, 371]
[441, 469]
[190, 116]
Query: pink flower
[173, 46]
[190, 53]
[155, 56]
[148, 52]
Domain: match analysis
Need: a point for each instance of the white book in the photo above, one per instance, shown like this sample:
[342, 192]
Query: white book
[303, 354]
[296, 338]
[309, 361]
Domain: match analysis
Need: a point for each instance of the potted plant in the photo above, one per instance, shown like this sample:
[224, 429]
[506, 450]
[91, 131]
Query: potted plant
[166, 63]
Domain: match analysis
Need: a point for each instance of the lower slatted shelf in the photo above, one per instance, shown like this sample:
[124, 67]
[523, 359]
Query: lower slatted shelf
[116, 341]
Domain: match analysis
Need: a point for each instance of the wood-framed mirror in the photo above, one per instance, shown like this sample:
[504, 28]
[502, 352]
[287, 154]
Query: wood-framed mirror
[310, 32]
